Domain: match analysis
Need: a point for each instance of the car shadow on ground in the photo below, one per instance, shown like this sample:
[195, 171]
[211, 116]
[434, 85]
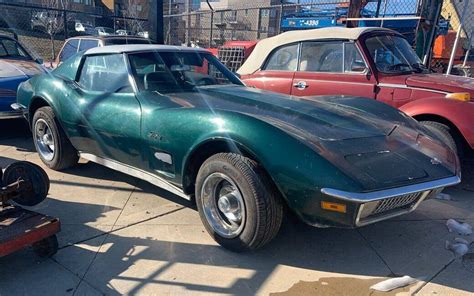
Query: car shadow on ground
[15, 132]
[298, 246]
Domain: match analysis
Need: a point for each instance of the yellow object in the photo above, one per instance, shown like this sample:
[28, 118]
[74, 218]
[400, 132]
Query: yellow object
[331, 206]
[466, 97]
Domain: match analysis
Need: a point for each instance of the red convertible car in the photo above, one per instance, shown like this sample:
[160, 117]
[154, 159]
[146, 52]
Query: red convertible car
[375, 63]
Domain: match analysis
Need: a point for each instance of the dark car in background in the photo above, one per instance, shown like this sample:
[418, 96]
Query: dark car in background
[76, 44]
[104, 31]
[16, 66]
[78, 28]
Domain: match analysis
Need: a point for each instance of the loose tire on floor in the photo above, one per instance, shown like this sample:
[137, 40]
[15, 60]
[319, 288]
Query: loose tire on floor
[36, 182]
[52, 144]
[47, 247]
[444, 133]
[230, 186]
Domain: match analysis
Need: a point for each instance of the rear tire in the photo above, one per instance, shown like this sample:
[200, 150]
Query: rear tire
[444, 133]
[52, 144]
[230, 186]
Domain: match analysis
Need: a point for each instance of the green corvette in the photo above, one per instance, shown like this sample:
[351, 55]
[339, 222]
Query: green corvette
[179, 119]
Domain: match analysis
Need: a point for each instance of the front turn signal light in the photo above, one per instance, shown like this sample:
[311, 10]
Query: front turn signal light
[465, 97]
[332, 206]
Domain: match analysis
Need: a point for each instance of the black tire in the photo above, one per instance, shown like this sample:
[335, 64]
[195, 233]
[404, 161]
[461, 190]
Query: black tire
[443, 132]
[47, 247]
[65, 155]
[36, 186]
[262, 203]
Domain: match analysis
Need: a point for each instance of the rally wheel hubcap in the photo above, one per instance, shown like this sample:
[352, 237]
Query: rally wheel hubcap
[223, 205]
[44, 139]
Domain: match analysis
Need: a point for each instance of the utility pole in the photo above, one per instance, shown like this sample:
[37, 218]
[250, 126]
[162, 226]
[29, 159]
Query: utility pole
[188, 22]
[155, 18]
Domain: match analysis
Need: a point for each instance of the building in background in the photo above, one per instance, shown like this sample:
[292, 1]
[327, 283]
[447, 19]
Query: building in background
[128, 14]
[233, 20]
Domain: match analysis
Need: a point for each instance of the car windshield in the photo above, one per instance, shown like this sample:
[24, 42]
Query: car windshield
[11, 49]
[393, 55]
[167, 72]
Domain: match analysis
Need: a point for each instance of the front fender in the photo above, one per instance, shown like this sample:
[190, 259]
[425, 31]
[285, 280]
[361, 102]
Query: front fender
[296, 169]
[459, 113]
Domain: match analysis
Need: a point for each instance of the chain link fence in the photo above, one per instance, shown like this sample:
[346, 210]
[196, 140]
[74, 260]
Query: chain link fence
[209, 27]
[43, 29]
[459, 15]
[222, 22]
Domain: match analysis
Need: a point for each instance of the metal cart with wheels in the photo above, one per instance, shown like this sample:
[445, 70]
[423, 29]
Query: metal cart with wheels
[25, 184]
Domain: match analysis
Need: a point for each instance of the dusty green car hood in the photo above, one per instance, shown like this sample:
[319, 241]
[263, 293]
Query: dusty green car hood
[378, 147]
[320, 119]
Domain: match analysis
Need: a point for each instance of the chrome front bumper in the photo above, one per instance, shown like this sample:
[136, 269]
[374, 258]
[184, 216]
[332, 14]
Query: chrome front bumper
[384, 204]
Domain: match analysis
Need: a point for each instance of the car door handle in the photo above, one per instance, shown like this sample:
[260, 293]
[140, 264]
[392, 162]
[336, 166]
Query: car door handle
[301, 85]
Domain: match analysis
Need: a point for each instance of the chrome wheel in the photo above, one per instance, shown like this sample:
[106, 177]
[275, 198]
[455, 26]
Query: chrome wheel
[223, 205]
[44, 139]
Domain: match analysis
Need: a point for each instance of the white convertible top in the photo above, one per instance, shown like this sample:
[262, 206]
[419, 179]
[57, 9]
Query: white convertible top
[139, 47]
[266, 46]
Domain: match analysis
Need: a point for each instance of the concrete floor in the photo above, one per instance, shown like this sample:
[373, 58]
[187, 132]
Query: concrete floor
[123, 236]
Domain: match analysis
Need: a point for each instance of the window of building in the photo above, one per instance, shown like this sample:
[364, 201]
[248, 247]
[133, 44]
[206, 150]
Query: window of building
[233, 16]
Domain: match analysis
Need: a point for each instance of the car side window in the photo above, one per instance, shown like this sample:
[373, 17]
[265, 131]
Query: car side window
[105, 73]
[353, 61]
[69, 49]
[322, 57]
[87, 44]
[11, 48]
[283, 59]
